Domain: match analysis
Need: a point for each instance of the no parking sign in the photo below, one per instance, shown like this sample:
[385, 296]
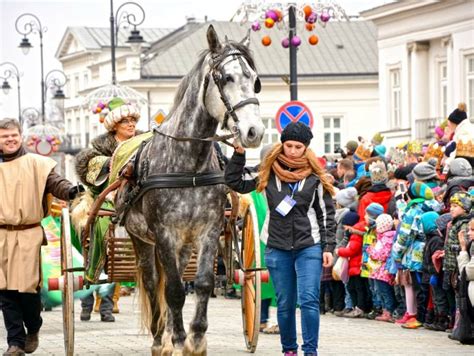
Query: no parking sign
[293, 111]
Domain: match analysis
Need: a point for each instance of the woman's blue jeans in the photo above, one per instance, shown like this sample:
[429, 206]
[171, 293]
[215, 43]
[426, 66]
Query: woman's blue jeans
[296, 277]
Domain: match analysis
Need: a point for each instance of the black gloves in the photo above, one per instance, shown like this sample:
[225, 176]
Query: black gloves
[74, 191]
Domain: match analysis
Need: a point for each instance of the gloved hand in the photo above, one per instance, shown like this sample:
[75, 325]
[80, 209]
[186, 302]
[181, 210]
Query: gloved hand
[74, 191]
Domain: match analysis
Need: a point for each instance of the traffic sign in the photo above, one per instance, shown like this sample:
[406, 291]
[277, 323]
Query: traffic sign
[293, 111]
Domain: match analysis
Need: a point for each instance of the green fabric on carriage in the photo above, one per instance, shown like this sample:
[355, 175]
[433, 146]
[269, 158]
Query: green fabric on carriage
[124, 152]
[261, 208]
[97, 247]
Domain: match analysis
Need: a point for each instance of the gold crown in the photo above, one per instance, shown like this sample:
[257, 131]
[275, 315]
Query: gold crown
[397, 157]
[362, 153]
[465, 149]
[414, 147]
[377, 139]
[434, 151]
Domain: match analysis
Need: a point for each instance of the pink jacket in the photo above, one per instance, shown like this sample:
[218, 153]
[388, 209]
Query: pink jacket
[378, 256]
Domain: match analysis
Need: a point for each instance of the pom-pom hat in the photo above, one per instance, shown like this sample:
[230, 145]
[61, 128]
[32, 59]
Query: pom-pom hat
[114, 111]
[458, 115]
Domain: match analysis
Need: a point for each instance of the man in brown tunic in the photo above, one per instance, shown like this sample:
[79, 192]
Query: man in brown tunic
[25, 180]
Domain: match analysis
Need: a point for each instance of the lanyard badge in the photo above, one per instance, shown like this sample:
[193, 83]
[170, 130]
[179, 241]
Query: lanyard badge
[288, 202]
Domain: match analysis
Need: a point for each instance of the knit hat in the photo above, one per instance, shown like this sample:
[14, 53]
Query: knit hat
[403, 172]
[378, 173]
[380, 150]
[461, 199]
[460, 167]
[352, 146]
[384, 223]
[374, 210]
[350, 218]
[428, 221]
[425, 171]
[346, 197]
[297, 131]
[420, 190]
[114, 111]
[458, 115]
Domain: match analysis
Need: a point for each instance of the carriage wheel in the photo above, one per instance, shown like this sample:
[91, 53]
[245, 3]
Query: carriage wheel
[251, 289]
[68, 280]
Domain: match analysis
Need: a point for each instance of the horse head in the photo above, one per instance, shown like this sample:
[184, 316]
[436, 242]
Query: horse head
[230, 87]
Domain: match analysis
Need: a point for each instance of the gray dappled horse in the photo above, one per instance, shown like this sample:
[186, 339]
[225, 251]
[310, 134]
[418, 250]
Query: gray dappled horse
[165, 224]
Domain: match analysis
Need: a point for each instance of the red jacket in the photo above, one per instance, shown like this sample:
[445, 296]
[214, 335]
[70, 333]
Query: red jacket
[353, 251]
[376, 194]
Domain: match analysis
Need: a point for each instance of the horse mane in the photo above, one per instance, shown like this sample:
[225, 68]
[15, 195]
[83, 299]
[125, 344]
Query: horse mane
[186, 81]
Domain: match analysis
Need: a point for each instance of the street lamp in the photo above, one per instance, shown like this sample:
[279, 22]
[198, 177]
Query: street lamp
[32, 24]
[122, 16]
[11, 71]
[56, 78]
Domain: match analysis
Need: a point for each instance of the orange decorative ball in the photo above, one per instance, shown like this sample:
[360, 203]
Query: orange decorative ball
[310, 26]
[269, 22]
[307, 10]
[313, 40]
[266, 41]
[279, 14]
[101, 119]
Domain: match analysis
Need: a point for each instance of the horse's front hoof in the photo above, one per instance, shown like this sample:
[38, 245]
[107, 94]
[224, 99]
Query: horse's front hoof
[156, 350]
[191, 349]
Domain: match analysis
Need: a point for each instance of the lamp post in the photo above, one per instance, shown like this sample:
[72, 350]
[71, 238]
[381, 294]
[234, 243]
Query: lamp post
[122, 16]
[33, 25]
[12, 71]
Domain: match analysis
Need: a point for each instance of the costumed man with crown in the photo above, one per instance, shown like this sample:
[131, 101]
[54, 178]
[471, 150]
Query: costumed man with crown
[93, 169]
[462, 143]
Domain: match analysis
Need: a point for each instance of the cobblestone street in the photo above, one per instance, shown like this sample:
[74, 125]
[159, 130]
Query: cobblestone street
[338, 336]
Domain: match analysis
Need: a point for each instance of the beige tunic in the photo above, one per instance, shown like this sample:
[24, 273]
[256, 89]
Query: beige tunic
[22, 185]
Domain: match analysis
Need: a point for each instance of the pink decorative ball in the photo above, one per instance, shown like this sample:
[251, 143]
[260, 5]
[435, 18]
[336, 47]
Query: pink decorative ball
[272, 15]
[285, 43]
[101, 105]
[295, 41]
[325, 16]
[312, 18]
[256, 26]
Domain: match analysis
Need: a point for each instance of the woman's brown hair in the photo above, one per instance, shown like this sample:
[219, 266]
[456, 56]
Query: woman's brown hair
[266, 167]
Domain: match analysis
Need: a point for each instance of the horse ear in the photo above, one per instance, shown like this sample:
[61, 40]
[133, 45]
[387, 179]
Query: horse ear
[213, 40]
[246, 40]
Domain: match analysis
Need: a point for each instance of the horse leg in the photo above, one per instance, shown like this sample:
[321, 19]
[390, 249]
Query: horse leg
[148, 281]
[174, 334]
[195, 343]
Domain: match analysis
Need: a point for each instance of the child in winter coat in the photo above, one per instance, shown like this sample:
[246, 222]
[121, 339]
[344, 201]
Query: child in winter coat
[434, 242]
[379, 253]
[408, 250]
[357, 286]
[370, 239]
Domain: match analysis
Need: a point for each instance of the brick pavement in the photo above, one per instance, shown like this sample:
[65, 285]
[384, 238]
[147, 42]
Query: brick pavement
[338, 336]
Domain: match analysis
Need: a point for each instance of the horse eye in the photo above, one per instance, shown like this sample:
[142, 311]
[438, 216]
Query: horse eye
[228, 78]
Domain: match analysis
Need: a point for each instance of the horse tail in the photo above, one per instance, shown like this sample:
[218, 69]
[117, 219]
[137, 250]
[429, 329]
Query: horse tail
[145, 306]
[161, 300]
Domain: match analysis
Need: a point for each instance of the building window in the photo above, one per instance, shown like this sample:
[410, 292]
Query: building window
[68, 86]
[443, 89]
[395, 106]
[271, 133]
[470, 85]
[78, 125]
[86, 80]
[332, 134]
[76, 84]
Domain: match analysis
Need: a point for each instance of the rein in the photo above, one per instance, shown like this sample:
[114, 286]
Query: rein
[215, 138]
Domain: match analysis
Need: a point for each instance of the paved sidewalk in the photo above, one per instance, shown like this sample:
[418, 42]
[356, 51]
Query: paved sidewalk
[338, 336]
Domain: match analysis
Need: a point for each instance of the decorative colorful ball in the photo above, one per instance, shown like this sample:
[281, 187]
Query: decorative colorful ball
[34, 137]
[271, 14]
[307, 10]
[101, 119]
[101, 105]
[269, 22]
[313, 40]
[279, 15]
[295, 41]
[266, 41]
[57, 142]
[324, 17]
[256, 26]
[312, 18]
[285, 43]
[310, 26]
[98, 110]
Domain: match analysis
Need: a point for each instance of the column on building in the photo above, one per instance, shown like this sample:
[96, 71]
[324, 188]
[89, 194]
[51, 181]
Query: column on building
[419, 83]
[447, 43]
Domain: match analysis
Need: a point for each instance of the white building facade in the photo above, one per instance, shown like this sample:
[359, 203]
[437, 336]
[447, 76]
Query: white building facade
[426, 64]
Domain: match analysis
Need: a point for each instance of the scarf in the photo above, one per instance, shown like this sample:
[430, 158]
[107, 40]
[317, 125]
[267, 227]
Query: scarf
[300, 168]
[12, 156]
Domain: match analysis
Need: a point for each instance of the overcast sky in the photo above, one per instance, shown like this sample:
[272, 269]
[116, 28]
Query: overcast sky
[56, 15]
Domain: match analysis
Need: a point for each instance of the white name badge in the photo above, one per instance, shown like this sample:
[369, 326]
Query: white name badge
[285, 205]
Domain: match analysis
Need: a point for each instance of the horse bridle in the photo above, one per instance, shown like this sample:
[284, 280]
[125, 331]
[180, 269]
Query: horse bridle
[217, 62]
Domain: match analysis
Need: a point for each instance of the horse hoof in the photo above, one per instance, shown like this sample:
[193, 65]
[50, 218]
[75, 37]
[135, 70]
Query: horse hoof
[156, 350]
[190, 349]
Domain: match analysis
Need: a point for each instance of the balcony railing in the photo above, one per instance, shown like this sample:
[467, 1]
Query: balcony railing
[424, 128]
[72, 143]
